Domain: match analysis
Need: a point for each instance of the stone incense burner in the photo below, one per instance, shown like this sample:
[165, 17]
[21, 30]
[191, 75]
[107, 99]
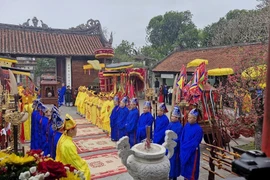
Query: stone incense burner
[145, 163]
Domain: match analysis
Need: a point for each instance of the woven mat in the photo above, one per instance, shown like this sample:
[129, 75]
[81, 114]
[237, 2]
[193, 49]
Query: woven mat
[103, 165]
[88, 131]
[83, 121]
[94, 144]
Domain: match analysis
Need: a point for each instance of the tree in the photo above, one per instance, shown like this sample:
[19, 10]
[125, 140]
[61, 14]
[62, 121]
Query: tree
[43, 65]
[238, 26]
[173, 29]
[124, 51]
[245, 94]
[263, 3]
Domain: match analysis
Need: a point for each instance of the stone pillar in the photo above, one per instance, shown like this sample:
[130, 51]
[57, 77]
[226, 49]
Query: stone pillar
[266, 120]
[68, 71]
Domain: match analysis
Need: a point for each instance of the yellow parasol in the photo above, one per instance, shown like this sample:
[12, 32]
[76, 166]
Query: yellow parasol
[254, 72]
[220, 72]
[196, 62]
[93, 64]
[257, 72]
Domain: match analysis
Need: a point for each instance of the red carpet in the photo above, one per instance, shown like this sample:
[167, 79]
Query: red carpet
[103, 165]
[94, 144]
[88, 131]
[82, 121]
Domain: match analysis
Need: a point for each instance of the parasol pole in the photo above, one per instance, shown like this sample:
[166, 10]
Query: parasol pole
[266, 119]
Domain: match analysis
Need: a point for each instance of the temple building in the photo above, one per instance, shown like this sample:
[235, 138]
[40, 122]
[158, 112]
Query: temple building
[71, 48]
[218, 57]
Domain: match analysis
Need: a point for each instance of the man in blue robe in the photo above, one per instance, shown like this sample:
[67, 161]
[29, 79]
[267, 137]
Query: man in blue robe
[132, 120]
[57, 126]
[162, 122]
[122, 117]
[45, 126]
[62, 95]
[34, 126]
[176, 127]
[113, 119]
[146, 119]
[190, 146]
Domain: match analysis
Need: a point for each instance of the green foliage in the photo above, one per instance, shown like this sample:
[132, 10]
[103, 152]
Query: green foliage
[237, 26]
[173, 29]
[124, 51]
[44, 64]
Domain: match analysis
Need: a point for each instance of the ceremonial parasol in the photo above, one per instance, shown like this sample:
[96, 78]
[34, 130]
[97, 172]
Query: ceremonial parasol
[196, 62]
[254, 72]
[220, 72]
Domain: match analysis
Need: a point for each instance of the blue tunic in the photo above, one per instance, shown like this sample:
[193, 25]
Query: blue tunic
[146, 119]
[175, 160]
[113, 123]
[121, 121]
[190, 150]
[62, 93]
[55, 139]
[34, 129]
[131, 125]
[45, 130]
[159, 131]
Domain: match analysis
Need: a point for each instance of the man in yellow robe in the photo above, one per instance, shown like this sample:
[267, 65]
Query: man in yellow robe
[90, 103]
[66, 151]
[82, 101]
[94, 109]
[99, 106]
[103, 111]
[78, 98]
[109, 108]
[87, 105]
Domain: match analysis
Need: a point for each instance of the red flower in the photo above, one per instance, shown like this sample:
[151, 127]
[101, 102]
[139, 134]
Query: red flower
[56, 169]
[71, 168]
[32, 152]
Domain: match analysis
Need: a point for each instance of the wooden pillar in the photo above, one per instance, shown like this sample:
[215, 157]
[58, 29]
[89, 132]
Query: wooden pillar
[266, 119]
[68, 71]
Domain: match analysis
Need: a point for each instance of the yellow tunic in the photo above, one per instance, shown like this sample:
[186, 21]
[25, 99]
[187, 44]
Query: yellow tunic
[103, 113]
[84, 95]
[99, 105]
[27, 123]
[90, 108]
[66, 152]
[77, 101]
[94, 110]
[106, 122]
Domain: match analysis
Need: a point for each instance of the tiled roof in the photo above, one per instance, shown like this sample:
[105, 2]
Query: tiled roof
[218, 57]
[57, 42]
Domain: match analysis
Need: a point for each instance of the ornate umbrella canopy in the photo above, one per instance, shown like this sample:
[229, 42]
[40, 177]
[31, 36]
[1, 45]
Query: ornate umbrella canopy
[255, 72]
[196, 62]
[220, 72]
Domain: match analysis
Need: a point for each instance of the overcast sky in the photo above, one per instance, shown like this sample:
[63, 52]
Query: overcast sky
[127, 19]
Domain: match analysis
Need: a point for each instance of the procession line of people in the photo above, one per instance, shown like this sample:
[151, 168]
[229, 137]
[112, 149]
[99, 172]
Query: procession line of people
[53, 135]
[122, 118]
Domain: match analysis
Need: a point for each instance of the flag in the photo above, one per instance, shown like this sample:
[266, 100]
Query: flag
[182, 77]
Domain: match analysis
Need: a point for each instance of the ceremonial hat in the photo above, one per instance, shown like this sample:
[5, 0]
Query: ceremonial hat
[69, 122]
[147, 104]
[194, 112]
[44, 108]
[125, 100]
[176, 111]
[57, 121]
[55, 109]
[134, 101]
[163, 107]
[116, 98]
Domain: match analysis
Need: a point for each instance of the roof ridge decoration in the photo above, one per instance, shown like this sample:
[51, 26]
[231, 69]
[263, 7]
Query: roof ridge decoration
[35, 23]
[94, 27]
